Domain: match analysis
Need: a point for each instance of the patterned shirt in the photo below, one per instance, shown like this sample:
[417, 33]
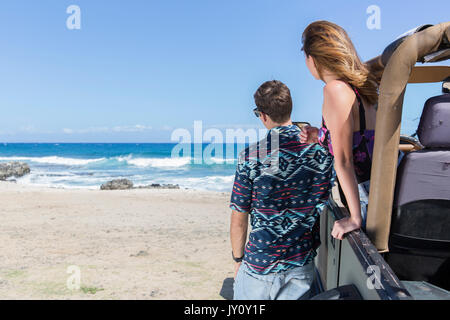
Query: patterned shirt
[283, 184]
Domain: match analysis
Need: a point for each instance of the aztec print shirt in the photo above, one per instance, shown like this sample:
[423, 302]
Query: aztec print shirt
[283, 184]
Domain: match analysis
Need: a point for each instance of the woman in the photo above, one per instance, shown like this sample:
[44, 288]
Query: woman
[348, 115]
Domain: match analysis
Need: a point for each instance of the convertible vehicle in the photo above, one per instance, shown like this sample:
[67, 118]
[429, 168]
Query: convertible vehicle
[405, 251]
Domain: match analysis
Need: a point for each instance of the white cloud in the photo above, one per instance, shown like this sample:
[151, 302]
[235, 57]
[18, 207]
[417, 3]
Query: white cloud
[235, 126]
[67, 131]
[167, 128]
[133, 128]
[29, 128]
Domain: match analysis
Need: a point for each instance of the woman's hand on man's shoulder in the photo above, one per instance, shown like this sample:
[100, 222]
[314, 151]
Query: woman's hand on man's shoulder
[309, 135]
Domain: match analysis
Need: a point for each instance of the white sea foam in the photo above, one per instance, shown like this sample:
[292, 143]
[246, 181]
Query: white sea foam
[217, 160]
[159, 162]
[217, 183]
[129, 159]
[54, 160]
[64, 172]
[61, 179]
[69, 180]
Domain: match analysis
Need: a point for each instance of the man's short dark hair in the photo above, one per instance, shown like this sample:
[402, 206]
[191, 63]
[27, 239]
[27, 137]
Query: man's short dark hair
[274, 99]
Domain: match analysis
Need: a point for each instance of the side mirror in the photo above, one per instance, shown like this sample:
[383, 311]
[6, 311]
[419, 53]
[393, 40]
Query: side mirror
[301, 124]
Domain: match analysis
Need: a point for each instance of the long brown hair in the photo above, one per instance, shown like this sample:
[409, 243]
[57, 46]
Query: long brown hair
[332, 50]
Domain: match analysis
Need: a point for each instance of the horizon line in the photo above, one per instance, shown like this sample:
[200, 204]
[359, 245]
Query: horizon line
[118, 143]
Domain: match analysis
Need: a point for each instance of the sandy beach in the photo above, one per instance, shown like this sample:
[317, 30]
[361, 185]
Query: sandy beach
[128, 244]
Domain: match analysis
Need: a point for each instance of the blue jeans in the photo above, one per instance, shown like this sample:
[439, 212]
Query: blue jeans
[363, 189]
[293, 284]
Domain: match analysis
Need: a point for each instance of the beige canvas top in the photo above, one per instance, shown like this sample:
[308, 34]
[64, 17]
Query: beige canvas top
[429, 45]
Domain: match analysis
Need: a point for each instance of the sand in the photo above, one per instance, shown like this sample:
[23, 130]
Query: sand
[130, 244]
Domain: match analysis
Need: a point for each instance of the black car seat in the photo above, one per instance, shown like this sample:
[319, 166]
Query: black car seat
[419, 243]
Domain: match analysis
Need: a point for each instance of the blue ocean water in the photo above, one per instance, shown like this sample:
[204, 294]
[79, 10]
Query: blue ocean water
[88, 165]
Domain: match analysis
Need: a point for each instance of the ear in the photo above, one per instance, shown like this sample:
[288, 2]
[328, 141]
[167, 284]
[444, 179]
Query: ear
[312, 66]
[264, 116]
[311, 61]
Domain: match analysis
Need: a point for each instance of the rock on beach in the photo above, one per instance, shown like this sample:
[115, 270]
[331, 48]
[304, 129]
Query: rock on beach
[13, 169]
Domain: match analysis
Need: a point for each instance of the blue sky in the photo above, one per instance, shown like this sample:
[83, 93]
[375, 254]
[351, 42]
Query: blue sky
[139, 69]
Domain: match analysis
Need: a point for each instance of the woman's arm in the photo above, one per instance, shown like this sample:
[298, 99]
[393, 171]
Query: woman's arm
[337, 111]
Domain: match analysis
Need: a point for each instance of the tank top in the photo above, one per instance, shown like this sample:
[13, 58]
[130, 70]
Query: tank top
[363, 142]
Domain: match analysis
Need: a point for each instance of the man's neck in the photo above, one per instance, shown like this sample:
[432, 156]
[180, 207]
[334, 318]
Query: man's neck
[275, 125]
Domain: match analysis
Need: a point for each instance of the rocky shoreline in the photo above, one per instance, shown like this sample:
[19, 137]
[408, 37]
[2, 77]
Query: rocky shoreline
[20, 169]
[13, 169]
[125, 184]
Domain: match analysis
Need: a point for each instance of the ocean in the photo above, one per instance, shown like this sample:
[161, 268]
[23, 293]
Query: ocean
[88, 165]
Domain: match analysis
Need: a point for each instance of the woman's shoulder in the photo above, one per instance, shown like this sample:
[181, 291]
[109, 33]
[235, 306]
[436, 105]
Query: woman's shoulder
[338, 87]
[338, 93]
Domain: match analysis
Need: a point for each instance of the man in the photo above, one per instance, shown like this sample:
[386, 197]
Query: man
[282, 184]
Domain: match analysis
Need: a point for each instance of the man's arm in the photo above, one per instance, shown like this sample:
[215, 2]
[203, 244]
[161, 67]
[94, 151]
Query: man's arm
[238, 235]
[240, 204]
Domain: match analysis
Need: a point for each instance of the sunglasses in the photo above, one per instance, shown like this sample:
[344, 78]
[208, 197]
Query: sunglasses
[257, 112]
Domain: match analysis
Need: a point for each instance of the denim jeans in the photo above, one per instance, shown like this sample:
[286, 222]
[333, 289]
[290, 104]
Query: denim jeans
[292, 284]
[363, 189]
